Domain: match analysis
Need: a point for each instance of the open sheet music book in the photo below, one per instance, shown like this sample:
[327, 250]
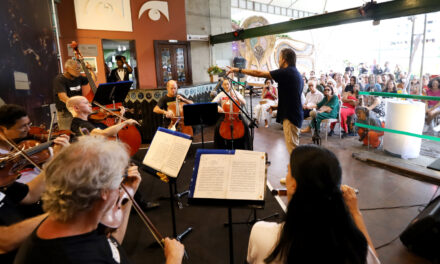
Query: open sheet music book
[235, 176]
[167, 151]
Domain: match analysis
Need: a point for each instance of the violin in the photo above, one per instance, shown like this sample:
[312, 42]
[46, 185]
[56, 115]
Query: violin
[232, 126]
[176, 122]
[129, 134]
[27, 152]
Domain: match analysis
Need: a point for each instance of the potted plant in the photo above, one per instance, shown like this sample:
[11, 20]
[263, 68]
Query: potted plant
[213, 70]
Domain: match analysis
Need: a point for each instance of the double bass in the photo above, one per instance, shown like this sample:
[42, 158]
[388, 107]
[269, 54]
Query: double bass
[177, 121]
[129, 134]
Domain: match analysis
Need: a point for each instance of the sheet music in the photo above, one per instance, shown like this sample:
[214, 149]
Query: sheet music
[240, 176]
[247, 175]
[212, 176]
[176, 156]
[167, 153]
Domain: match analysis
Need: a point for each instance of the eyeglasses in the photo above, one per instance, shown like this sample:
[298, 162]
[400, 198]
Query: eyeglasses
[311, 85]
[326, 90]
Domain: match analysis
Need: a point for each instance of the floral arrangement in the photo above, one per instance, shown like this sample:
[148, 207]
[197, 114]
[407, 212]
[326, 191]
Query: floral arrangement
[214, 70]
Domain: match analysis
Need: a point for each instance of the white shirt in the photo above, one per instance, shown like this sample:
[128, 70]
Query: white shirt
[121, 73]
[313, 98]
[264, 236]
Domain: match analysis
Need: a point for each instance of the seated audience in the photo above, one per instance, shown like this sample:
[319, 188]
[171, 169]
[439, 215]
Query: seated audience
[269, 97]
[83, 185]
[369, 137]
[372, 83]
[323, 222]
[432, 107]
[312, 99]
[390, 87]
[327, 109]
[349, 102]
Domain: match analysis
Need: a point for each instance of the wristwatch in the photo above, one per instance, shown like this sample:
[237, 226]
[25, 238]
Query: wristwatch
[239, 70]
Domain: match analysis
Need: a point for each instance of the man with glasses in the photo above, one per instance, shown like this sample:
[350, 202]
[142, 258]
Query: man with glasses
[19, 211]
[312, 99]
[65, 85]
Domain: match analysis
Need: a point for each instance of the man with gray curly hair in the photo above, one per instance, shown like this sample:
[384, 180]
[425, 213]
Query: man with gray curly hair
[82, 186]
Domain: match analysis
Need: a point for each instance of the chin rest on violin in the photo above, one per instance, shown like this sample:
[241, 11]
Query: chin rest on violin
[12, 163]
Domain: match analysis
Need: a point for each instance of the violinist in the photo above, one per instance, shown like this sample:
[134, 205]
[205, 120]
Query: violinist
[162, 106]
[77, 201]
[222, 100]
[80, 108]
[66, 85]
[16, 220]
[15, 124]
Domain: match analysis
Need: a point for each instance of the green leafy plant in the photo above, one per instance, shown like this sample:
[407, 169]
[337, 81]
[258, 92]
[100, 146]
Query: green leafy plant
[214, 70]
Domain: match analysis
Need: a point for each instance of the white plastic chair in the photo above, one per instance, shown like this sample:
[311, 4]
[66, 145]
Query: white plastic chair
[327, 123]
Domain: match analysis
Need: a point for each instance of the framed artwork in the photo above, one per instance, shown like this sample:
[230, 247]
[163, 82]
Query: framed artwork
[114, 15]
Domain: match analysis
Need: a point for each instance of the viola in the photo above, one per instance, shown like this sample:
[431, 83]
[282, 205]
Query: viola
[27, 152]
[42, 134]
[176, 122]
[232, 126]
[99, 116]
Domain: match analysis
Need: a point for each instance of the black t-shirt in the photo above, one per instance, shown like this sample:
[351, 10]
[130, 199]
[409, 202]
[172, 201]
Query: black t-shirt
[10, 197]
[71, 87]
[78, 123]
[290, 87]
[91, 247]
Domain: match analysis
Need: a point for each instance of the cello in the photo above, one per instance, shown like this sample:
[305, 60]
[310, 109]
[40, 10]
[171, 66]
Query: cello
[232, 126]
[176, 122]
[129, 134]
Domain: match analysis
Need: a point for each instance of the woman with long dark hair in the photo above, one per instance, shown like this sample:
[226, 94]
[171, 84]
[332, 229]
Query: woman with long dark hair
[323, 223]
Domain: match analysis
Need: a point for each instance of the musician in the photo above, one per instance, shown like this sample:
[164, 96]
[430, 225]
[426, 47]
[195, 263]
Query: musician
[221, 99]
[66, 85]
[121, 73]
[16, 221]
[80, 108]
[162, 106]
[77, 201]
[15, 124]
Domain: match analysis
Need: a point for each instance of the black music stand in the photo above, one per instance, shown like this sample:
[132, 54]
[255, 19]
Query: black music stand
[111, 93]
[203, 114]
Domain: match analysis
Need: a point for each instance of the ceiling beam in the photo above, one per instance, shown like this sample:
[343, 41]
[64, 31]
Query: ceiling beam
[386, 10]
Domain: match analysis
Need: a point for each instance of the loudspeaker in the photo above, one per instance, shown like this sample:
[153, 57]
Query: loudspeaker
[422, 236]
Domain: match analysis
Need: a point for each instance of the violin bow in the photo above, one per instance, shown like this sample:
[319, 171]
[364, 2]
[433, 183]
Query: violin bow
[19, 151]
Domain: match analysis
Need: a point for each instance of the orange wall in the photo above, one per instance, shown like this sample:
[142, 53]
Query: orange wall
[144, 32]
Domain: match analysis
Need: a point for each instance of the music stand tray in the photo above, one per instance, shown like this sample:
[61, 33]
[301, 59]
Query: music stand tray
[113, 92]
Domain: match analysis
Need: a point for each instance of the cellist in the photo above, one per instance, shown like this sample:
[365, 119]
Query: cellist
[162, 106]
[222, 100]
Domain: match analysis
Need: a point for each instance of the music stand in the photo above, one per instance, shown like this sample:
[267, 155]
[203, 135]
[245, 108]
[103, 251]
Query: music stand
[203, 114]
[111, 93]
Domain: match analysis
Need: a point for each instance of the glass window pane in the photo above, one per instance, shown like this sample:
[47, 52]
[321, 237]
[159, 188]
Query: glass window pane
[166, 65]
[180, 63]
